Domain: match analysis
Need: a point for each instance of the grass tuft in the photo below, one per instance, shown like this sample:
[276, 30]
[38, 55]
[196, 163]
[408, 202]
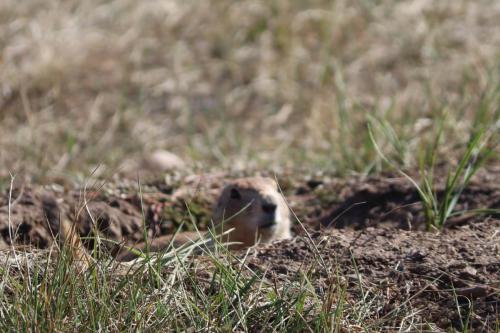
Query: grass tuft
[439, 206]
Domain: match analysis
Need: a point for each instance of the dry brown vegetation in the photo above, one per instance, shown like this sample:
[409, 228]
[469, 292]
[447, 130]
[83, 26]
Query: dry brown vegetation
[240, 84]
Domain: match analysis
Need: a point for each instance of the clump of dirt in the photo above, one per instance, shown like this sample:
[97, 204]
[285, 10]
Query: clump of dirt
[367, 230]
[24, 220]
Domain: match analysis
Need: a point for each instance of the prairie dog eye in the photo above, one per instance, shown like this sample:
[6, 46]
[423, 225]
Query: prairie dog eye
[235, 194]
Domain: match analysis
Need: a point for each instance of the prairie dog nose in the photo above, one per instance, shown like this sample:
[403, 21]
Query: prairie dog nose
[269, 206]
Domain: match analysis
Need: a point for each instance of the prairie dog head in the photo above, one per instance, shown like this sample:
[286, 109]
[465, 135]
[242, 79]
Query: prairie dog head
[256, 211]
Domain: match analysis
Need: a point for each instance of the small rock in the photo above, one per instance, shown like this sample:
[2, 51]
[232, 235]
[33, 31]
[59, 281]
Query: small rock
[163, 160]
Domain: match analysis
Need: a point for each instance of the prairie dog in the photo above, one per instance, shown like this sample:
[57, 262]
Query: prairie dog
[252, 206]
[256, 211]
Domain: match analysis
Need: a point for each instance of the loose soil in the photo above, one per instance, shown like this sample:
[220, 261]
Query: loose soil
[368, 234]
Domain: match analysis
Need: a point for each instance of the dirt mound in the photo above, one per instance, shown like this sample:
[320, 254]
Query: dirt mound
[395, 202]
[446, 278]
[375, 244]
[114, 212]
[33, 217]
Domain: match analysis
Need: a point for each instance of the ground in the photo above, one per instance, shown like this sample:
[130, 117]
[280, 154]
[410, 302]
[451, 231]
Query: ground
[126, 117]
[363, 237]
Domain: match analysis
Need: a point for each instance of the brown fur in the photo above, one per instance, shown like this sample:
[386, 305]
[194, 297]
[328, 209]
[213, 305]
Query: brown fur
[68, 235]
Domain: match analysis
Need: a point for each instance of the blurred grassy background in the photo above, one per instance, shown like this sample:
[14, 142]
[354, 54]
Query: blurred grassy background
[248, 84]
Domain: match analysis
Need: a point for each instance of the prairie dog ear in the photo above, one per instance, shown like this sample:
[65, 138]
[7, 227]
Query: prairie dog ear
[234, 194]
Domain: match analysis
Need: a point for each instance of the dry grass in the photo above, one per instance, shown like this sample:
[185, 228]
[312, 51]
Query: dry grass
[238, 84]
[224, 84]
